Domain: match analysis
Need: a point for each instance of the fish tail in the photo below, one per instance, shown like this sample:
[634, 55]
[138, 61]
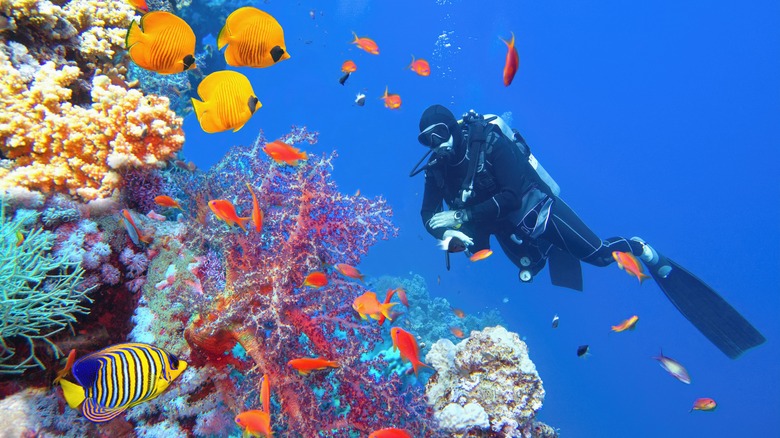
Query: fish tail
[642, 277]
[134, 34]
[412, 63]
[416, 364]
[512, 42]
[242, 221]
[386, 310]
[74, 394]
[356, 37]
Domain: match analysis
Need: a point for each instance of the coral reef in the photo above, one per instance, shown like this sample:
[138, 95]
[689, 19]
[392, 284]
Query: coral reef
[238, 299]
[486, 385]
[58, 147]
[41, 294]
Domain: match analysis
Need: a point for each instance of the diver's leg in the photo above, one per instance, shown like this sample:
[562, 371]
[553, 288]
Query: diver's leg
[568, 232]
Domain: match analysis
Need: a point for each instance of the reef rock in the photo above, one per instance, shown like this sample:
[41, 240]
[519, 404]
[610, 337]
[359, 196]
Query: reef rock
[486, 385]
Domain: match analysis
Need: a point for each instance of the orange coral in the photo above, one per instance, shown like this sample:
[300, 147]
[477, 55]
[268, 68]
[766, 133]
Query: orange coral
[55, 146]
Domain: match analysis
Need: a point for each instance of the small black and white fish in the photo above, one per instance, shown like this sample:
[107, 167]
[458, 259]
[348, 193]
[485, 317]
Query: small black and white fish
[582, 350]
[360, 99]
[555, 321]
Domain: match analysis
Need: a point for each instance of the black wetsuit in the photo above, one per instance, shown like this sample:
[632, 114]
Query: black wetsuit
[508, 193]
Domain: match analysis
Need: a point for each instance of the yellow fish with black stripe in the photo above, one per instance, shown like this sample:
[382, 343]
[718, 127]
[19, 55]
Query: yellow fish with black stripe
[228, 101]
[163, 43]
[114, 379]
[254, 39]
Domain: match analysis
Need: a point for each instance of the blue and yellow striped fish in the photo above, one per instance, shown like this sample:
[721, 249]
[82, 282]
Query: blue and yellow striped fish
[114, 379]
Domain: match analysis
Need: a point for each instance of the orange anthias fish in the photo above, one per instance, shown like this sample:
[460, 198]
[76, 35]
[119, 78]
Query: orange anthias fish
[392, 101]
[512, 61]
[482, 254]
[227, 101]
[257, 214]
[457, 332]
[367, 305]
[348, 66]
[420, 66]
[255, 423]
[404, 342]
[627, 262]
[254, 39]
[349, 271]
[316, 280]
[390, 432]
[282, 152]
[305, 365]
[459, 313]
[163, 43]
[628, 324]
[166, 201]
[704, 404]
[366, 44]
[225, 211]
[265, 394]
[140, 5]
[68, 365]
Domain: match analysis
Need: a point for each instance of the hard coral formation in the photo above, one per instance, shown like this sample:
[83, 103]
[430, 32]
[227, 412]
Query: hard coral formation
[486, 385]
[60, 147]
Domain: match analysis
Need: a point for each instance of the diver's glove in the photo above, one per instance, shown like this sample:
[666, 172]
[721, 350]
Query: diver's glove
[444, 243]
[449, 218]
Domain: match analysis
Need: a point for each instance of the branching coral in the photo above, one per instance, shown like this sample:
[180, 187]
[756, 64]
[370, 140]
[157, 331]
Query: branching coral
[39, 295]
[60, 147]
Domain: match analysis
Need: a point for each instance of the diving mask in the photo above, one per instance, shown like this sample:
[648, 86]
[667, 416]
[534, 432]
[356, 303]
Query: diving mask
[435, 135]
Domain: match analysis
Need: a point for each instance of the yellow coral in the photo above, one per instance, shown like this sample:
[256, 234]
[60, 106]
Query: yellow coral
[59, 147]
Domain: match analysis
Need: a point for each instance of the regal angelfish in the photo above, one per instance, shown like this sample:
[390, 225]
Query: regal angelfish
[114, 379]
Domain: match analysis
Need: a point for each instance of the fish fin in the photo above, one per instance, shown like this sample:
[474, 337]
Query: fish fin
[363, 315]
[642, 277]
[98, 414]
[304, 372]
[242, 221]
[356, 38]
[223, 37]
[134, 35]
[74, 394]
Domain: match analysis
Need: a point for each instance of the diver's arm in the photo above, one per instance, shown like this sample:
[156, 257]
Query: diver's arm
[507, 165]
[432, 204]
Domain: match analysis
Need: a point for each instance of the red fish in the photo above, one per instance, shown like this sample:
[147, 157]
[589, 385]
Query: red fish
[316, 280]
[348, 66]
[628, 324]
[459, 313]
[282, 152]
[481, 255]
[627, 262]
[704, 404]
[404, 342]
[166, 201]
[512, 61]
[257, 214]
[457, 332]
[420, 66]
[140, 5]
[305, 365]
[366, 44]
[68, 365]
[255, 423]
[225, 211]
[265, 394]
[349, 271]
[390, 432]
[392, 101]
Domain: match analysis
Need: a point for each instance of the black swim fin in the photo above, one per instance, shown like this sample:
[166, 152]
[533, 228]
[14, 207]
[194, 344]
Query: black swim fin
[708, 311]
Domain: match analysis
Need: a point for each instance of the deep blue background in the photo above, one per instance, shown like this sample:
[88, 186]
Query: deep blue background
[658, 120]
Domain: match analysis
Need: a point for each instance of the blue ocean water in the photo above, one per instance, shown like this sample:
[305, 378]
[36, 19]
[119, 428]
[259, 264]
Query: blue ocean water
[657, 120]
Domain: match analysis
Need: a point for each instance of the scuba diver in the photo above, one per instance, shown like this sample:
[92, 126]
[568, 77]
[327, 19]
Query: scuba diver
[493, 185]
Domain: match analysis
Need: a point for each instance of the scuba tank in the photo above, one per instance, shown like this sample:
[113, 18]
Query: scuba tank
[523, 146]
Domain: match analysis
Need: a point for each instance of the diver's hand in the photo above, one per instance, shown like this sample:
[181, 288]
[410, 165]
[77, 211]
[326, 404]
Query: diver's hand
[450, 234]
[448, 218]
